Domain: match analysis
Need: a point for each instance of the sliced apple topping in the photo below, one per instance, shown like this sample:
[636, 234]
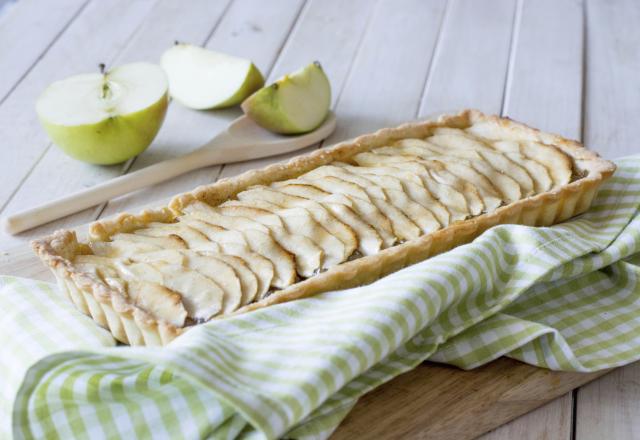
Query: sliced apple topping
[308, 256]
[457, 142]
[212, 260]
[272, 201]
[158, 300]
[284, 270]
[365, 210]
[559, 164]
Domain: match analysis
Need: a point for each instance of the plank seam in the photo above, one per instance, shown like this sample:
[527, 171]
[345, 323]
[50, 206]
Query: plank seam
[44, 51]
[513, 47]
[292, 29]
[584, 78]
[434, 57]
[129, 163]
[50, 144]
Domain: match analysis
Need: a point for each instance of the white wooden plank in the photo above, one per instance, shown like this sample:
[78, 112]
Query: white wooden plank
[249, 30]
[99, 32]
[551, 421]
[545, 90]
[168, 21]
[546, 76]
[612, 92]
[470, 63]
[384, 84]
[609, 407]
[27, 31]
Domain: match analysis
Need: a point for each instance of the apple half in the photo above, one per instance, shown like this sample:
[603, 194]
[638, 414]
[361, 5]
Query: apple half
[296, 103]
[202, 79]
[105, 118]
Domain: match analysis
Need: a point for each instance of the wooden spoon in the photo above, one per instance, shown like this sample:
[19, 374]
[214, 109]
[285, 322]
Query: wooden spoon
[242, 140]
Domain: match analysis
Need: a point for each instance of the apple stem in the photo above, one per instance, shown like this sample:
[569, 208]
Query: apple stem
[105, 84]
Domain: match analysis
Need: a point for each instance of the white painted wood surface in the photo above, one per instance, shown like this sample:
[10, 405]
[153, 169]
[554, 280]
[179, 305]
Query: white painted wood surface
[560, 65]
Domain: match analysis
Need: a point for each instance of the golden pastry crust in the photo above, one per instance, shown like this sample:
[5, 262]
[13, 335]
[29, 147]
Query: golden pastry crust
[131, 325]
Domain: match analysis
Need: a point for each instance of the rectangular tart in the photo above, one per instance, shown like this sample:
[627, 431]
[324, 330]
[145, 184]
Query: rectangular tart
[336, 218]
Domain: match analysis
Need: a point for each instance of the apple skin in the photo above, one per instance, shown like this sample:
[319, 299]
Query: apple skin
[254, 81]
[265, 107]
[112, 140]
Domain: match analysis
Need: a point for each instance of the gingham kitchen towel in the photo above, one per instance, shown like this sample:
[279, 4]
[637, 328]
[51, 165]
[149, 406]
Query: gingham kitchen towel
[565, 297]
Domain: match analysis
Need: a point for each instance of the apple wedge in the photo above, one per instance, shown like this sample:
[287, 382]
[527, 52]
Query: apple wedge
[105, 118]
[295, 103]
[202, 79]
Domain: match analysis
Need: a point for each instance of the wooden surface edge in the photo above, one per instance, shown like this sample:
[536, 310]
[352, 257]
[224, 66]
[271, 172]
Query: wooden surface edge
[437, 401]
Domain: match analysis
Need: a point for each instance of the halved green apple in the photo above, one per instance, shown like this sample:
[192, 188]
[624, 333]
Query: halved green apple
[203, 79]
[296, 103]
[106, 118]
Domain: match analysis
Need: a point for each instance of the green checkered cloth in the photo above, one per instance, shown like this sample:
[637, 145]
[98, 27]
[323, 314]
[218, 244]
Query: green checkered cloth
[565, 298]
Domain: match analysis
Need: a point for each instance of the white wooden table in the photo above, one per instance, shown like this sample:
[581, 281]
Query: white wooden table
[567, 66]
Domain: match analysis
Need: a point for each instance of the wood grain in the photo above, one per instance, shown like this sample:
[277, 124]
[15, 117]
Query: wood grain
[610, 407]
[80, 49]
[470, 63]
[440, 402]
[27, 30]
[164, 23]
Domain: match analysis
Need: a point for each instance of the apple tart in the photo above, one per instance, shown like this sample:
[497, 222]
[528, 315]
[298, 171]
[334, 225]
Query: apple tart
[336, 218]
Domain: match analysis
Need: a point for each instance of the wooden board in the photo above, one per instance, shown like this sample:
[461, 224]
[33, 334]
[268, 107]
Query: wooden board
[433, 401]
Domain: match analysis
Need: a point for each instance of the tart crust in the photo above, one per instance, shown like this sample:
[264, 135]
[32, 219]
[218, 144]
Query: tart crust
[132, 325]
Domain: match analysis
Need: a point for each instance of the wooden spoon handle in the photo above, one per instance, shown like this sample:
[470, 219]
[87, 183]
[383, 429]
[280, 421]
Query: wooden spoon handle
[106, 191]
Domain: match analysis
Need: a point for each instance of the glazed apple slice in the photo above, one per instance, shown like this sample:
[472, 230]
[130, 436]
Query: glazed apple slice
[193, 238]
[460, 198]
[490, 198]
[151, 297]
[457, 142]
[201, 297]
[214, 269]
[364, 210]
[126, 244]
[416, 192]
[299, 220]
[477, 172]
[159, 301]
[308, 256]
[367, 240]
[558, 164]
[413, 183]
[403, 228]
[395, 192]
[418, 214]
[284, 270]
[261, 267]
[512, 150]
[494, 165]
[321, 216]
[542, 181]
[248, 279]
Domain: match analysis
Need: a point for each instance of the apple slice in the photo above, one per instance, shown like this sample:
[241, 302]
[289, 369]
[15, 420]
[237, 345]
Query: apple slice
[307, 254]
[363, 210]
[105, 118]
[295, 103]
[203, 79]
[272, 265]
[347, 231]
